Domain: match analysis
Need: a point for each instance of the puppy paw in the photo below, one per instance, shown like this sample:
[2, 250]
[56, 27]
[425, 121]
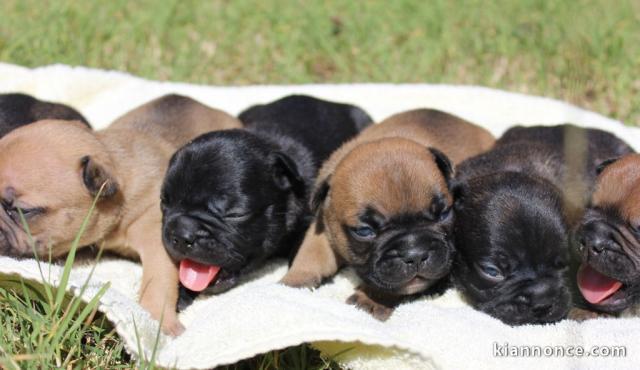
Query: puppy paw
[364, 302]
[301, 280]
[172, 327]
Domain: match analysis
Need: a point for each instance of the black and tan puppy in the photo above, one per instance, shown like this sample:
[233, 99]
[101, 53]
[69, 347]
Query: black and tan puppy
[233, 199]
[609, 238]
[20, 109]
[514, 208]
[383, 206]
[52, 170]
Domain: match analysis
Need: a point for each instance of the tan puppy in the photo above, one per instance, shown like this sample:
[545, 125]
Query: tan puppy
[382, 205]
[609, 238]
[52, 171]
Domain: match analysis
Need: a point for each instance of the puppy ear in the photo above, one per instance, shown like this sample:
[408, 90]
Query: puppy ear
[359, 117]
[95, 176]
[443, 163]
[458, 191]
[604, 164]
[285, 173]
[319, 194]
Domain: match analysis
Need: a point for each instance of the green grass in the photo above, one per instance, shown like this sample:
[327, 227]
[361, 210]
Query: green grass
[584, 51]
[47, 328]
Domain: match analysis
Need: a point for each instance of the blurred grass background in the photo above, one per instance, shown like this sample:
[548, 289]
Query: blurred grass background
[583, 51]
[586, 52]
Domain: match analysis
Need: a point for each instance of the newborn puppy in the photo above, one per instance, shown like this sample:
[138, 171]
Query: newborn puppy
[383, 206]
[234, 198]
[20, 109]
[514, 208]
[583, 150]
[609, 238]
[53, 170]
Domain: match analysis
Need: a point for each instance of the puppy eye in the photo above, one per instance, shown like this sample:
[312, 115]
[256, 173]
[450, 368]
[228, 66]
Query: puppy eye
[14, 212]
[27, 212]
[489, 271]
[237, 216]
[364, 232]
[444, 214]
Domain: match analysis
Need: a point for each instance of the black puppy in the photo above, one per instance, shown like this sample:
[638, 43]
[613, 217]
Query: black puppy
[515, 207]
[19, 109]
[231, 199]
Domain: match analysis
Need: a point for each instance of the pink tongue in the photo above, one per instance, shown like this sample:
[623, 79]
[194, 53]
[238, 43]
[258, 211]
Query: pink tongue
[196, 276]
[594, 286]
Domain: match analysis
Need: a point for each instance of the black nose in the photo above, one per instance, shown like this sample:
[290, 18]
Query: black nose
[540, 297]
[595, 237]
[183, 232]
[183, 236]
[414, 256]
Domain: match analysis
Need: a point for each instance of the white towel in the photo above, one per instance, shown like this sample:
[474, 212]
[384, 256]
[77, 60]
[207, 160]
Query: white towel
[260, 315]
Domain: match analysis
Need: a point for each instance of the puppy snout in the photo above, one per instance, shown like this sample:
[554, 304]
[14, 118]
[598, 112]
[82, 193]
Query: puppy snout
[541, 310]
[9, 246]
[596, 237]
[183, 238]
[4, 245]
[539, 290]
[183, 232]
[417, 247]
[414, 256]
[544, 300]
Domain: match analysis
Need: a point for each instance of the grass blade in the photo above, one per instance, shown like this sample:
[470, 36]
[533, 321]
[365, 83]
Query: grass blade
[66, 272]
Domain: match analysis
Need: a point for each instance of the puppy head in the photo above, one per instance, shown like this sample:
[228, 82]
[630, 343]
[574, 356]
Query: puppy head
[228, 199]
[609, 238]
[386, 209]
[52, 171]
[20, 109]
[512, 248]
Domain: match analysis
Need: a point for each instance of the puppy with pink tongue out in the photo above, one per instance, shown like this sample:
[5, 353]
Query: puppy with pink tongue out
[233, 199]
[609, 238]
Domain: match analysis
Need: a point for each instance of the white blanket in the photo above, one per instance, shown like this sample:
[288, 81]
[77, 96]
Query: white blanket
[260, 315]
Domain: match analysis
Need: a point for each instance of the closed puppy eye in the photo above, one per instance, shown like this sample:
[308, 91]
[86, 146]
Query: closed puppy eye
[438, 211]
[363, 232]
[237, 216]
[489, 271]
[14, 212]
[445, 213]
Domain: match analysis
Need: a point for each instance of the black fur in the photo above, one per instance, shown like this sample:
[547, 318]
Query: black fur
[601, 145]
[19, 109]
[512, 220]
[237, 197]
[310, 121]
